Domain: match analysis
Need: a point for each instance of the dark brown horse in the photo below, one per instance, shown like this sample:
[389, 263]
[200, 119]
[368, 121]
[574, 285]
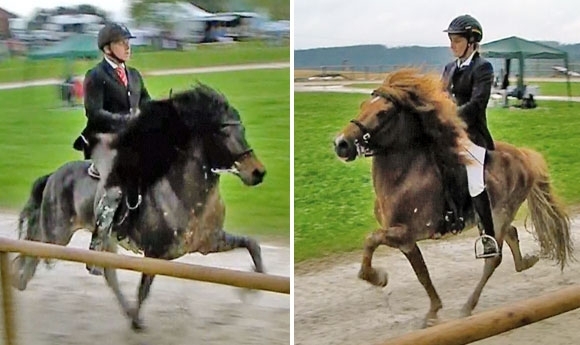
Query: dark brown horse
[410, 127]
[171, 155]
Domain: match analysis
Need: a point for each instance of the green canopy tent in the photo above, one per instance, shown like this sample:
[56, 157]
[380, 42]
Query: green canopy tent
[518, 48]
[81, 46]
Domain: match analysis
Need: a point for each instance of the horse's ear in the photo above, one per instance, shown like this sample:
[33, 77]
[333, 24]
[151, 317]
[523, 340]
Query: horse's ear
[424, 107]
[420, 105]
[170, 93]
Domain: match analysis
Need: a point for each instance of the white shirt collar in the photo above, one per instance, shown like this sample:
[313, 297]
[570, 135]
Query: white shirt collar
[467, 61]
[114, 65]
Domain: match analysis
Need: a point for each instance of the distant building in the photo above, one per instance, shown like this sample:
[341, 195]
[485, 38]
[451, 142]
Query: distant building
[4, 23]
[64, 25]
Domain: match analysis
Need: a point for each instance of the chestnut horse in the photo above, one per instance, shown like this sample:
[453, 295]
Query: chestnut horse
[410, 127]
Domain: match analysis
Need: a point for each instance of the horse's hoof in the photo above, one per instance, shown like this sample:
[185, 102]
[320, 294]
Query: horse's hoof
[375, 276]
[94, 270]
[259, 268]
[529, 261]
[17, 277]
[430, 322]
[465, 312]
[18, 282]
[137, 326]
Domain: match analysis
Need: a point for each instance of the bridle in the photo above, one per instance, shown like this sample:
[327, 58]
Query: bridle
[237, 156]
[366, 147]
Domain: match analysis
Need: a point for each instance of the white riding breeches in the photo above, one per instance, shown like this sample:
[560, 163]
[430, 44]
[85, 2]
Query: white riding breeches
[475, 168]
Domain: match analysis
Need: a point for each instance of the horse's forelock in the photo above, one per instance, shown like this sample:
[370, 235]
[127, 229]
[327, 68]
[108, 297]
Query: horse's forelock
[423, 94]
[200, 104]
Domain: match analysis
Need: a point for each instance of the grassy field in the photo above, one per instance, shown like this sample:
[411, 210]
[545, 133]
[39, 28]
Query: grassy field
[37, 136]
[546, 88]
[333, 209]
[20, 69]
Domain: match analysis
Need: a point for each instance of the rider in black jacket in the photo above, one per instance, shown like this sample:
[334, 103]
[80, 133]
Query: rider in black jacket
[469, 79]
[109, 102]
[113, 94]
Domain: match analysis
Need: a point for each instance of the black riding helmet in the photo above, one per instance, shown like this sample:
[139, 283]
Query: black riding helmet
[112, 32]
[468, 27]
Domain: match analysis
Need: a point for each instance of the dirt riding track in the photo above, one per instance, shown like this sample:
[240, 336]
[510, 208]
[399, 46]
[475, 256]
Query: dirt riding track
[65, 305]
[332, 306]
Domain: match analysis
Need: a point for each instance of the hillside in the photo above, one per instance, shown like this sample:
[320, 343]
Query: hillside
[379, 58]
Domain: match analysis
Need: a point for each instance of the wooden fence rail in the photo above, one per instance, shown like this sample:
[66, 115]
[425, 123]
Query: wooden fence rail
[241, 279]
[496, 321]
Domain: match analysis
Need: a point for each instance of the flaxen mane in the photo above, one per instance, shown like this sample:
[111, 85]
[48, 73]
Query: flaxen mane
[423, 95]
[153, 141]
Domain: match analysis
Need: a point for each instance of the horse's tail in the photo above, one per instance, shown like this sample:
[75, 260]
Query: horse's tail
[548, 214]
[28, 221]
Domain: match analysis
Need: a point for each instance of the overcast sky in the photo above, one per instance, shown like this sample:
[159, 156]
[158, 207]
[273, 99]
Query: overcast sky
[333, 23]
[116, 8]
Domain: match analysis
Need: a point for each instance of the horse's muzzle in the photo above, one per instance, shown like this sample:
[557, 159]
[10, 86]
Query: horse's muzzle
[251, 170]
[344, 148]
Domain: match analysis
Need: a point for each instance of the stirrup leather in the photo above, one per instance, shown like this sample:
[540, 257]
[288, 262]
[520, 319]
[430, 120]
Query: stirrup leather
[93, 172]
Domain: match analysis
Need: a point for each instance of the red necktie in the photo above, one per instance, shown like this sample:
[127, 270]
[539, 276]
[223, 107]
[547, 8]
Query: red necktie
[121, 73]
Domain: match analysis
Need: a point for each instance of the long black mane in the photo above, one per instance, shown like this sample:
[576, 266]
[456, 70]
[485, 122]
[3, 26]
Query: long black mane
[152, 142]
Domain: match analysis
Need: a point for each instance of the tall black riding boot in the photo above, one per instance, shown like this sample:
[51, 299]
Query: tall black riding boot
[482, 206]
[105, 214]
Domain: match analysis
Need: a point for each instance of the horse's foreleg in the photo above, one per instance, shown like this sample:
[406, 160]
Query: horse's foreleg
[393, 237]
[416, 259]
[111, 278]
[513, 242]
[222, 241]
[144, 288]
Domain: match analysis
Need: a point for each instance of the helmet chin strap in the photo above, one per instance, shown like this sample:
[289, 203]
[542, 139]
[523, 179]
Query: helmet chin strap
[464, 55]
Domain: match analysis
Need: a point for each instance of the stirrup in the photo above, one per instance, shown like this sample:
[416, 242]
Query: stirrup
[481, 254]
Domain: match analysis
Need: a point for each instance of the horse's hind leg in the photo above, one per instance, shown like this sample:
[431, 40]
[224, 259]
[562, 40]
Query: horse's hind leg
[488, 269]
[43, 220]
[222, 241]
[23, 269]
[513, 242]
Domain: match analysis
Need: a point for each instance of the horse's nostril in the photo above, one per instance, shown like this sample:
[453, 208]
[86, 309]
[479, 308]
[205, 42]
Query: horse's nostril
[258, 174]
[342, 145]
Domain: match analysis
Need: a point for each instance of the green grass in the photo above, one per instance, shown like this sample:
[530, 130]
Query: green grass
[333, 207]
[557, 88]
[546, 88]
[21, 69]
[37, 135]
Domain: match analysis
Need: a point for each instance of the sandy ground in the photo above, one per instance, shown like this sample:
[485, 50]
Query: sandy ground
[332, 306]
[65, 305]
